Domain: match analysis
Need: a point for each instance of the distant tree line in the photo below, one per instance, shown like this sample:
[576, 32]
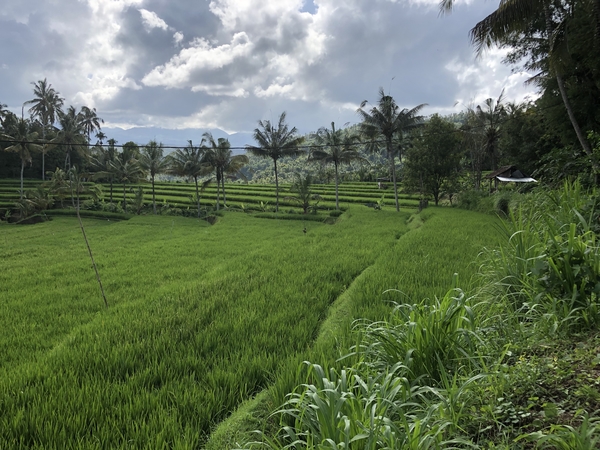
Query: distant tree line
[555, 137]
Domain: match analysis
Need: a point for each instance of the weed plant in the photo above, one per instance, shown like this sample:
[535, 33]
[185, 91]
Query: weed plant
[548, 269]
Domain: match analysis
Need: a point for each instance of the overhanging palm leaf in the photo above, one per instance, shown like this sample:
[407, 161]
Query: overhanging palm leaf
[275, 143]
[514, 16]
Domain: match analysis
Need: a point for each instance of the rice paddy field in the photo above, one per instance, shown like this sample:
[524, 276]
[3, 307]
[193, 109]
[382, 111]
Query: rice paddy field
[249, 195]
[200, 318]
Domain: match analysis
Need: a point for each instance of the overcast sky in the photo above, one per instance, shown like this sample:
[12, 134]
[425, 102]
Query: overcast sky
[228, 63]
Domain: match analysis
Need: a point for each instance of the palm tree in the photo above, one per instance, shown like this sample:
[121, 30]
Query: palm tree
[218, 157]
[126, 169]
[3, 113]
[103, 162]
[490, 119]
[90, 122]
[276, 143]
[187, 162]
[153, 162]
[337, 149]
[387, 121]
[302, 188]
[47, 104]
[513, 16]
[21, 137]
[71, 135]
[100, 136]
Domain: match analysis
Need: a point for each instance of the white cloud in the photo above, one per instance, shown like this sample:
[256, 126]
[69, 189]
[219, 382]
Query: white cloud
[178, 38]
[151, 20]
[200, 57]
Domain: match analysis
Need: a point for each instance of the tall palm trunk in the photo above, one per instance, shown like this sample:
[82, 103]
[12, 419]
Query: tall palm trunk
[218, 189]
[153, 196]
[393, 170]
[124, 199]
[276, 187]
[337, 203]
[223, 182]
[197, 196]
[22, 169]
[44, 153]
[585, 145]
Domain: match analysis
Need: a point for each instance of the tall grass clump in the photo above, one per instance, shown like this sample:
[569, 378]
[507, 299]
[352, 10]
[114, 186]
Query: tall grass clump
[354, 409]
[548, 268]
[429, 338]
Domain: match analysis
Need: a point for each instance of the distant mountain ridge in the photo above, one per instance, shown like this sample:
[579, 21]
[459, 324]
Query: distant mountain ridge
[175, 138]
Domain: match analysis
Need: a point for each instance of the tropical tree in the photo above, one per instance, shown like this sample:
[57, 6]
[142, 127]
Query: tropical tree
[433, 163]
[275, 143]
[188, 162]
[338, 148]
[387, 121]
[218, 156]
[71, 135]
[46, 105]
[515, 17]
[101, 137]
[22, 139]
[126, 169]
[153, 162]
[90, 122]
[490, 119]
[102, 163]
[304, 196]
[3, 113]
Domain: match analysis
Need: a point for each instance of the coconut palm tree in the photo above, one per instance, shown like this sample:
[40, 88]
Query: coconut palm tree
[513, 16]
[126, 169]
[338, 148]
[102, 163]
[3, 113]
[387, 121]
[153, 162]
[100, 136]
[490, 119]
[46, 106]
[22, 141]
[71, 135]
[275, 143]
[187, 162]
[90, 122]
[218, 156]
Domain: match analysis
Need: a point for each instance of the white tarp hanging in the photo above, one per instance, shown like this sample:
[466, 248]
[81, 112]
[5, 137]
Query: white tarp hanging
[517, 180]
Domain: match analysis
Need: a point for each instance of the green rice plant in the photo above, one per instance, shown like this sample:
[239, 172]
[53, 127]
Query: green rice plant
[428, 338]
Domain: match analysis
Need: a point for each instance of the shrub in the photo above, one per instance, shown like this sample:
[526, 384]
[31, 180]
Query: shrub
[471, 199]
[335, 213]
[549, 266]
[502, 204]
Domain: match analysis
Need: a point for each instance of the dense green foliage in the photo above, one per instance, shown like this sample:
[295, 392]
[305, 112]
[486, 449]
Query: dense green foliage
[480, 371]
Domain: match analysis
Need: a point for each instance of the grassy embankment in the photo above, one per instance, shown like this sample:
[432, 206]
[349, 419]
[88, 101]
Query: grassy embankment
[200, 317]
